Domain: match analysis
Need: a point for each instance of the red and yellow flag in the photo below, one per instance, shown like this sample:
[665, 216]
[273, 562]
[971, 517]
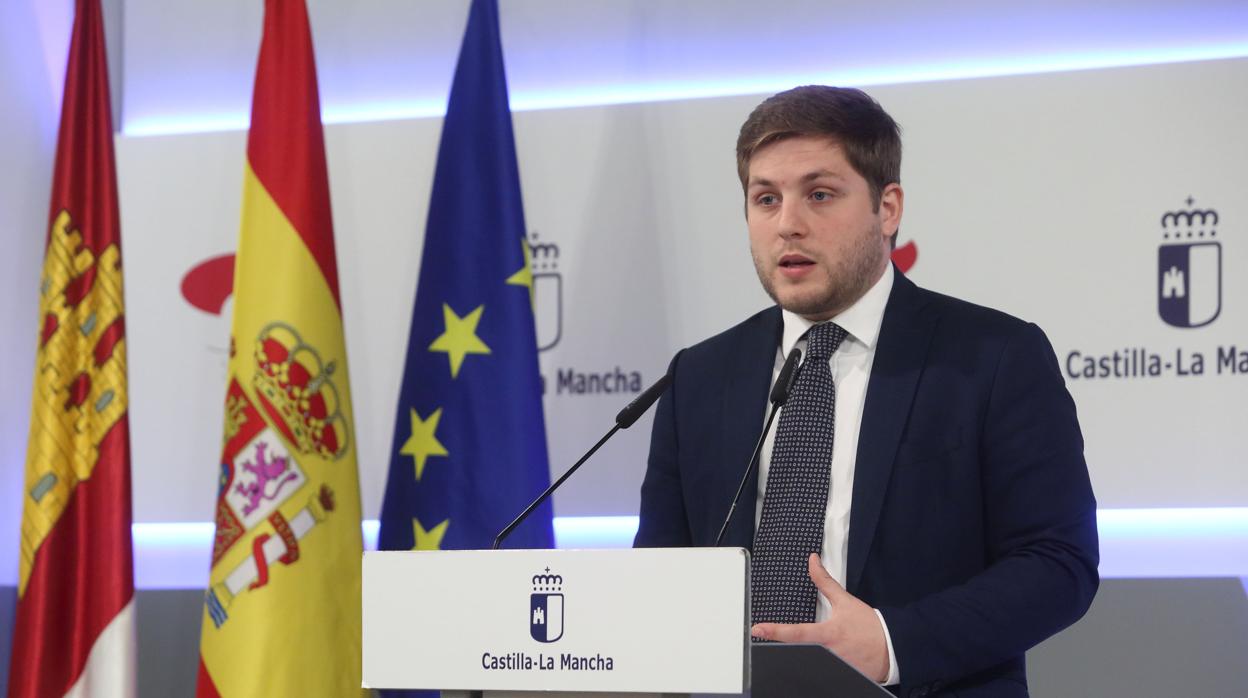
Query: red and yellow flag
[282, 612]
[74, 632]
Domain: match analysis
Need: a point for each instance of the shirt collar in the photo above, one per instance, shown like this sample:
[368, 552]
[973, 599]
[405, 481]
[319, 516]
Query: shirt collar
[861, 320]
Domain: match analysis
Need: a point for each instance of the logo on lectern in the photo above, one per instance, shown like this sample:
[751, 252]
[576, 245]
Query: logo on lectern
[546, 607]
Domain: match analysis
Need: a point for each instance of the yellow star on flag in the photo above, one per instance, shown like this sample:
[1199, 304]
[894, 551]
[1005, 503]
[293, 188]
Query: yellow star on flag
[460, 338]
[423, 441]
[428, 540]
[524, 277]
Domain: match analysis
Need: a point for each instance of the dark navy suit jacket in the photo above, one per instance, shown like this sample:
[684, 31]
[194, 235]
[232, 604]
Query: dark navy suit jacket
[973, 524]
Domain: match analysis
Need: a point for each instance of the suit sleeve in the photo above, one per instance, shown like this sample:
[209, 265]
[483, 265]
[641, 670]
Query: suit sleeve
[664, 521]
[1039, 531]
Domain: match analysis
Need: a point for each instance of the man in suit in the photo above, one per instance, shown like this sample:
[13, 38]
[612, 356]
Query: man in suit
[923, 507]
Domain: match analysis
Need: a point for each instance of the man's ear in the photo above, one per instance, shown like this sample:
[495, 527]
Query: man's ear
[892, 201]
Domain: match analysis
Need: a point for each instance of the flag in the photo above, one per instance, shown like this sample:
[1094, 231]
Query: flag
[282, 612]
[469, 449]
[74, 629]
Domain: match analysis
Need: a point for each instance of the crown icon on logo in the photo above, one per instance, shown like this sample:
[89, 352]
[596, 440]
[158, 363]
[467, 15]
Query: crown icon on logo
[296, 389]
[1189, 223]
[547, 582]
[545, 254]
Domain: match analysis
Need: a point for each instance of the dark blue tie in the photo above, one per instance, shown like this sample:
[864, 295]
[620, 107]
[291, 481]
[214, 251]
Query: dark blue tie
[796, 500]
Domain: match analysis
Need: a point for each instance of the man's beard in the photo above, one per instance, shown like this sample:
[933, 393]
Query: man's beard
[848, 279]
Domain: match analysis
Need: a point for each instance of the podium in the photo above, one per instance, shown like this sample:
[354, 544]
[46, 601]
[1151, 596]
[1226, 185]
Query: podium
[515, 623]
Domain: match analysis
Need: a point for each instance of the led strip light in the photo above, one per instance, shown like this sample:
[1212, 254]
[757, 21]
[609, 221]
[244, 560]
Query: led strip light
[662, 91]
[1135, 543]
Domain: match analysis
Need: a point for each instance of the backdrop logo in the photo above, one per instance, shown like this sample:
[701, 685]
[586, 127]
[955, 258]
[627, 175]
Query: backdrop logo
[208, 284]
[546, 607]
[1189, 267]
[905, 256]
[547, 292]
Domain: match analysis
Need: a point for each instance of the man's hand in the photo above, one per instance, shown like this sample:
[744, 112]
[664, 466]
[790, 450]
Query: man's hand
[852, 630]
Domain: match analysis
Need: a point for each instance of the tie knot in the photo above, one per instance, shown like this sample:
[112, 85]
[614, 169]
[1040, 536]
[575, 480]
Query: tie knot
[823, 339]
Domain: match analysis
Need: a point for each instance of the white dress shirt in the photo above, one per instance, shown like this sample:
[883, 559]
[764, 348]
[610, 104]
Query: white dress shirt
[851, 368]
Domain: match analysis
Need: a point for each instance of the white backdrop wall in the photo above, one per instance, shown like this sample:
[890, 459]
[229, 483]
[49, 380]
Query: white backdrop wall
[1041, 195]
[1013, 199]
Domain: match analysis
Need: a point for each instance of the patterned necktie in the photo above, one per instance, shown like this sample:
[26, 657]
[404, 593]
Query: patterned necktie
[796, 500]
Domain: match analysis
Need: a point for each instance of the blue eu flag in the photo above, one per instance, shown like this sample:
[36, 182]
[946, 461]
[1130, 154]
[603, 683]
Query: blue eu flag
[469, 446]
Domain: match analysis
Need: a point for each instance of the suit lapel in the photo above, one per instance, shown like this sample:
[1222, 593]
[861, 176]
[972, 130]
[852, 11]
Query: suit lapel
[743, 406]
[905, 334]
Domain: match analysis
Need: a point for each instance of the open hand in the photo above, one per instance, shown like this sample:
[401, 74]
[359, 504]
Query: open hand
[852, 630]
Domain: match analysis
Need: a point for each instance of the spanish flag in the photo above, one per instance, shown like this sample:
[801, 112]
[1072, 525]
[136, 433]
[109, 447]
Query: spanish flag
[282, 612]
[74, 631]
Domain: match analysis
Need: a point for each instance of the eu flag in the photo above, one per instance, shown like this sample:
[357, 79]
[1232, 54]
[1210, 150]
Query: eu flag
[469, 447]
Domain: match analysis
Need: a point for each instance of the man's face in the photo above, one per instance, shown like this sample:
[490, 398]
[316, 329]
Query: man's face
[817, 243]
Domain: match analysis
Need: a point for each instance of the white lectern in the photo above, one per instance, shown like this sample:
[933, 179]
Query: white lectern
[576, 622]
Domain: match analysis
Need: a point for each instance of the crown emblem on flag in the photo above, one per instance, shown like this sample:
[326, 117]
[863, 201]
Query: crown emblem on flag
[297, 389]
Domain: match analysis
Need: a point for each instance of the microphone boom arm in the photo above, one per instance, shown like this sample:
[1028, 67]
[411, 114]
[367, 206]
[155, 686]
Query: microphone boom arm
[623, 420]
[498, 540]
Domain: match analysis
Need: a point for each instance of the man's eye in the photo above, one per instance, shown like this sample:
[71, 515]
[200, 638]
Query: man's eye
[766, 199]
[821, 195]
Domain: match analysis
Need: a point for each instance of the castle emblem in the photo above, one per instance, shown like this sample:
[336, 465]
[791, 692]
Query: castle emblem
[546, 607]
[80, 376]
[1189, 267]
[547, 292]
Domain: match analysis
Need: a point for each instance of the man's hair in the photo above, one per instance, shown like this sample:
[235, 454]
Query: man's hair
[866, 133]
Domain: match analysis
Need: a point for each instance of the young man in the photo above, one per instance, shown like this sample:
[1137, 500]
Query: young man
[922, 506]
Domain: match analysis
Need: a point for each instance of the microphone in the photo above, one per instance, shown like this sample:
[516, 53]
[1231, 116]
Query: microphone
[625, 419]
[633, 410]
[779, 396]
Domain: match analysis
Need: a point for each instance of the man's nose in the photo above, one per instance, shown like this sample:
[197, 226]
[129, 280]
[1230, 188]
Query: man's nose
[792, 219]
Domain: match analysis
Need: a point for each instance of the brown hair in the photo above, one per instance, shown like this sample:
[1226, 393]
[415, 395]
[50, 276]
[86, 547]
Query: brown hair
[868, 135]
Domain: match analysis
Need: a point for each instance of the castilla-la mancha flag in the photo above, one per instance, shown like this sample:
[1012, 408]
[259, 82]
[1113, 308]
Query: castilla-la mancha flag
[282, 610]
[74, 631]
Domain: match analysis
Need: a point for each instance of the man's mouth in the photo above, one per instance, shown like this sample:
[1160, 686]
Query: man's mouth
[795, 261]
[795, 267]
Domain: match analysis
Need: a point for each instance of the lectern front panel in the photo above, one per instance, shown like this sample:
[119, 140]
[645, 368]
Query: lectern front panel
[646, 620]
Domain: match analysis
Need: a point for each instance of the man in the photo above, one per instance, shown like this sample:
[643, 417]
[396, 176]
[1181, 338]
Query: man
[927, 474]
